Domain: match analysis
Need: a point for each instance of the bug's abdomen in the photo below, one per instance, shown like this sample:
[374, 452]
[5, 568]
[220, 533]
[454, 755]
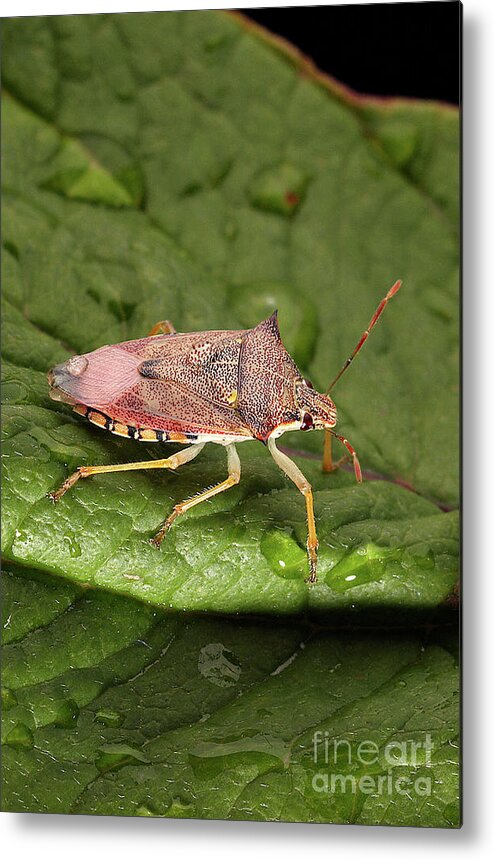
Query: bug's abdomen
[130, 431]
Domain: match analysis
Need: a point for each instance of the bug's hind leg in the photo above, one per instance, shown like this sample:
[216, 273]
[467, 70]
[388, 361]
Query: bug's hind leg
[293, 472]
[233, 478]
[172, 462]
[163, 327]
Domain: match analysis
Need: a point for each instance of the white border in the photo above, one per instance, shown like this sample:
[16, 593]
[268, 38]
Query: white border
[85, 837]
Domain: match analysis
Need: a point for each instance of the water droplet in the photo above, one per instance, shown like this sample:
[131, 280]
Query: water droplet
[218, 665]
[362, 565]
[66, 716]
[425, 561]
[74, 547]
[90, 183]
[50, 441]
[22, 541]
[280, 189]
[115, 756]
[20, 737]
[108, 717]
[210, 758]
[15, 392]
[145, 810]
[284, 556]
[9, 699]
[179, 808]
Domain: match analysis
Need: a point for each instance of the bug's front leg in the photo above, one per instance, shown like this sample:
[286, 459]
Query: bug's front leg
[328, 464]
[293, 472]
[172, 462]
[233, 478]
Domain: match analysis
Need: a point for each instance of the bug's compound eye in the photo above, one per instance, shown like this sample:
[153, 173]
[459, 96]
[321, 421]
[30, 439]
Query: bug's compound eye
[76, 365]
[308, 383]
[307, 421]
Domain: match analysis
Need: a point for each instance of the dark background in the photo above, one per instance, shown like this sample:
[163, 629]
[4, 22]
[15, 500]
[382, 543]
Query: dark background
[393, 49]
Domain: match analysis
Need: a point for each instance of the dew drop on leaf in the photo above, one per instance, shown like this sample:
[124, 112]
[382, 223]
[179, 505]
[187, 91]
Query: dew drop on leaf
[20, 737]
[73, 546]
[145, 811]
[116, 756]
[108, 717]
[297, 314]
[279, 189]
[284, 555]
[66, 715]
[9, 699]
[179, 808]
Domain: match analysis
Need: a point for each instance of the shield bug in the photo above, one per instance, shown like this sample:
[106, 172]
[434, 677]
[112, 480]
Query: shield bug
[213, 386]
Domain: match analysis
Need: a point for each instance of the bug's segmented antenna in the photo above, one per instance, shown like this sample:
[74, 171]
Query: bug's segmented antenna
[389, 295]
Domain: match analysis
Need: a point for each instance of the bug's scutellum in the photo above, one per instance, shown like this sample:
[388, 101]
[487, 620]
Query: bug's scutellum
[224, 387]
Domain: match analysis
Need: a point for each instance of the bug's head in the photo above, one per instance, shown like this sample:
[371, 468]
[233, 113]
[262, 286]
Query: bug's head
[317, 411]
[94, 379]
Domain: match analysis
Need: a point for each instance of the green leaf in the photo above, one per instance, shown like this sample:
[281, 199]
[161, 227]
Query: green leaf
[185, 165]
[113, 708]
[380, 545]
[257, 182]
[180, 165]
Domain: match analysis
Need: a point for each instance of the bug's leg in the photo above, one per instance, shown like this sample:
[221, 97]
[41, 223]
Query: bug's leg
[293, 472]
[163, 327]
[353, 454]
[172, 462]
[328, 464]
[233, 478]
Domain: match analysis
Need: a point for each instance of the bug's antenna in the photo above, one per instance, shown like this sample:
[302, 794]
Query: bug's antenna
[389, 295]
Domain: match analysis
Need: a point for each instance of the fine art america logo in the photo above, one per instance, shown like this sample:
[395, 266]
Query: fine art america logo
[338, 757]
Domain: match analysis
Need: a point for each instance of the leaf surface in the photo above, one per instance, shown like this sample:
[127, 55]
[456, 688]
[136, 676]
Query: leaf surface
[187, 166]
[179, 166]
[159, 715]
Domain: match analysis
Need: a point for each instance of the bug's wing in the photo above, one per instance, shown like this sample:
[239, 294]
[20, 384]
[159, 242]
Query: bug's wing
[183, 383]
[170, 406]
[206, 363]
[187, 383]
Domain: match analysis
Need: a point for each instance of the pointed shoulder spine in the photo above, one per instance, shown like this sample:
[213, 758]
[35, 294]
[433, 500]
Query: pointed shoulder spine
[269, 326]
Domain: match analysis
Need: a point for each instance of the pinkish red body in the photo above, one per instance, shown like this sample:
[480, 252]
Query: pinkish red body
[218, 386]
[213, 386]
